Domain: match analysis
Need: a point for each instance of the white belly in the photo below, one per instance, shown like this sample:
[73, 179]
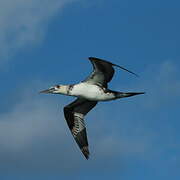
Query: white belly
[91, 92]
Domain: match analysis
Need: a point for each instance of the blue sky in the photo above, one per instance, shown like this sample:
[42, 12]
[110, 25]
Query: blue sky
[43, 43]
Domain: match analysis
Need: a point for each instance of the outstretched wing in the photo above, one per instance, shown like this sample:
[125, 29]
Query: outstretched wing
[103, 71]
[74, 114]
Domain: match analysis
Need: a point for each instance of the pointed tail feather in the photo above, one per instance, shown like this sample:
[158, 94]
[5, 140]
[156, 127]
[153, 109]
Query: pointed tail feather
[128, 94]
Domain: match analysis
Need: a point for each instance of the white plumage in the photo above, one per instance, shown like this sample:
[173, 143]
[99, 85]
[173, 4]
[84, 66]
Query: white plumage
[91, 92]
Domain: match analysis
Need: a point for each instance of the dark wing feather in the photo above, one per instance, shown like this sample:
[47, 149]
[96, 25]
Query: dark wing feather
[103, 71]
[74, 114]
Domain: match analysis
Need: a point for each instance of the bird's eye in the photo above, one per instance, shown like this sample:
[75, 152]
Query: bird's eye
[57, 86]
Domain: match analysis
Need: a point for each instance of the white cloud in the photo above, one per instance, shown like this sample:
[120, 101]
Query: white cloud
[34, 137]
[162, 85]
[23, 23]
[161, 82]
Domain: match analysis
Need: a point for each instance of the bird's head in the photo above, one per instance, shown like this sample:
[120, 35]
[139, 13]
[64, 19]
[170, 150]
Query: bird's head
[57, 89]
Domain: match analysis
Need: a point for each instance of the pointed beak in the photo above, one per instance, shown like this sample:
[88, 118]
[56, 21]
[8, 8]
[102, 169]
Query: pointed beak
[47, 91]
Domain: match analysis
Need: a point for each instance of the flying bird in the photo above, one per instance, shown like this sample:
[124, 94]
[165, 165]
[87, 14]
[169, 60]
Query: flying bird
[89, 92]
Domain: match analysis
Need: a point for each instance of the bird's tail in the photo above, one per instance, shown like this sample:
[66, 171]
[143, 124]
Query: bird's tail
[127, 94]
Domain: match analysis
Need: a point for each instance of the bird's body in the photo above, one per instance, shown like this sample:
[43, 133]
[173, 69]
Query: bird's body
[88, 92]
[91, 92]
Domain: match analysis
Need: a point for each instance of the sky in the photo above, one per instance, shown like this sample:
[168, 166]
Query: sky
[44, 43]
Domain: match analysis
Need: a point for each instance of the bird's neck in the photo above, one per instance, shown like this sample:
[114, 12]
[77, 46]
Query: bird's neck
[64, 90]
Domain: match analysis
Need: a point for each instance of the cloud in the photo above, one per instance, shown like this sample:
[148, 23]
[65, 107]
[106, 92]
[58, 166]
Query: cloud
[24, 23]
[34, 137]
[162, 84]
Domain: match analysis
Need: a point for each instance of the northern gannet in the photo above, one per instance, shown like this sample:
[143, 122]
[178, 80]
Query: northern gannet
[88, 92]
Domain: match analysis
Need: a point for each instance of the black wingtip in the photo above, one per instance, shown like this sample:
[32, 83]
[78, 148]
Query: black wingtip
[94, 58]
[126, 70]
[85, 151]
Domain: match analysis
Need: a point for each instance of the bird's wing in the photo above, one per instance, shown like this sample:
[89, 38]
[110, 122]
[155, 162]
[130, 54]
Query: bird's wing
[74, 114]
[103, 71]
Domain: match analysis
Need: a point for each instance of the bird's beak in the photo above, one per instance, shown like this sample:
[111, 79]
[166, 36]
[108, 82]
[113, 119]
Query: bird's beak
[51, 90]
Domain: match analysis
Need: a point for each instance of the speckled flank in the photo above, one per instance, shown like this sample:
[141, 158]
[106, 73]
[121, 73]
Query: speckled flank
[70, 89]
